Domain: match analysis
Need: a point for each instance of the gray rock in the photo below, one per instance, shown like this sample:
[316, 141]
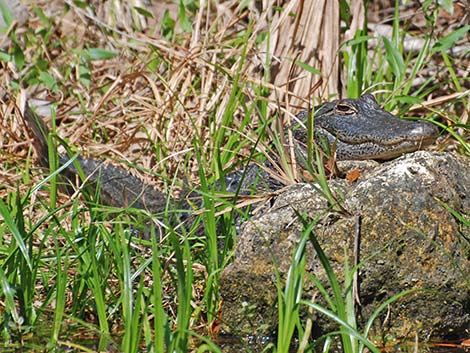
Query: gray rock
[409, 239]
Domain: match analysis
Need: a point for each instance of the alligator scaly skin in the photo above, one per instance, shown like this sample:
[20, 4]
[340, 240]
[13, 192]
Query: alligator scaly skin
[118, 188]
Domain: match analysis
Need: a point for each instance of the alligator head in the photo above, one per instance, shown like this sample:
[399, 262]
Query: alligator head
[360, 129]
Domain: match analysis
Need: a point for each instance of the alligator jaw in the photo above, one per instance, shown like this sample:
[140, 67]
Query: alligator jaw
[371, 150]
[420, 137]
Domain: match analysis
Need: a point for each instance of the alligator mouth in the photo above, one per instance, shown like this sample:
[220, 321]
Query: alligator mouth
[368, 147]
[423, 142]
[418, 141]
[382, 152]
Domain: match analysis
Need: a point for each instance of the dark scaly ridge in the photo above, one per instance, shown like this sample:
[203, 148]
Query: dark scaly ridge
[118, 188]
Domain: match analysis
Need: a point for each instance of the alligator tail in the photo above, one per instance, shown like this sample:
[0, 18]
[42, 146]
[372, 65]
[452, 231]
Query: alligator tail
[40, 132]
[117, 187]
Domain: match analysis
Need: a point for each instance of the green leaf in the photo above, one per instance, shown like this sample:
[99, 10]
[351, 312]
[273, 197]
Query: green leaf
[185, 23]
[16, 233]
[99, 54]
[143, 12]
[261, 37]
[42, 65]
[49, 81]
[192, 6]
[394, 58]
[307, 67]
[18, 56]
[167, 25]
[8, 292]
[357, 40]
[153, 64]
[81, 4]
[5, 56]
[41, 16]
[449, 41]
[447, 5]
[84, 74]
[407, 99]
[345, 11]
[7, 15]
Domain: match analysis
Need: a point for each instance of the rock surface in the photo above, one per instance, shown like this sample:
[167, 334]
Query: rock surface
[408, 240]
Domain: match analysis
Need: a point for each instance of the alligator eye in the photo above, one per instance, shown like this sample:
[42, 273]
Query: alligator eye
[345, 109]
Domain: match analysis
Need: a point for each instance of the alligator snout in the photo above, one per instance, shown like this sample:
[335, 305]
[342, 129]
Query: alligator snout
[424, 132]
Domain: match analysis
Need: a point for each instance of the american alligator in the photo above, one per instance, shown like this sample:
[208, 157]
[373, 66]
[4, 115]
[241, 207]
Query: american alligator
[355, 129]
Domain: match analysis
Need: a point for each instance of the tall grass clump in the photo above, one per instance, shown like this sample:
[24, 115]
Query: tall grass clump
[290, 296]
[334, 301]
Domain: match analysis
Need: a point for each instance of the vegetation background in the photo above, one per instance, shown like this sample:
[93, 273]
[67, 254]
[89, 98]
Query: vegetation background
[183, 90]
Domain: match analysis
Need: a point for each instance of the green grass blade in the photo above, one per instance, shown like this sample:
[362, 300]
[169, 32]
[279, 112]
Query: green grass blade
[465, 220]
[447, 42]
[17, 235]
[9, 295]
[288, 301]
[349, 330]
[160, 318]
[7, 15]
[336, 289]
[60, 288]
[395, 60]
[383, 306]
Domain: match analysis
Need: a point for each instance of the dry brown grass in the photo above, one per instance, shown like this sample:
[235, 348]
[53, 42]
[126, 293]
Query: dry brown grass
[133, 115]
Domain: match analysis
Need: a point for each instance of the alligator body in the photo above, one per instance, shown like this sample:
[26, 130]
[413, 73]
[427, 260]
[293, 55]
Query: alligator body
[353, 128]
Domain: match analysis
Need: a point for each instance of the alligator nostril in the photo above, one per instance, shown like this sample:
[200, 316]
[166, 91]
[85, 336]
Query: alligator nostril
[425, 129]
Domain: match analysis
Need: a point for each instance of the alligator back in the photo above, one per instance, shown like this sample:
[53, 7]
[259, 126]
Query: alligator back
[117, 187]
